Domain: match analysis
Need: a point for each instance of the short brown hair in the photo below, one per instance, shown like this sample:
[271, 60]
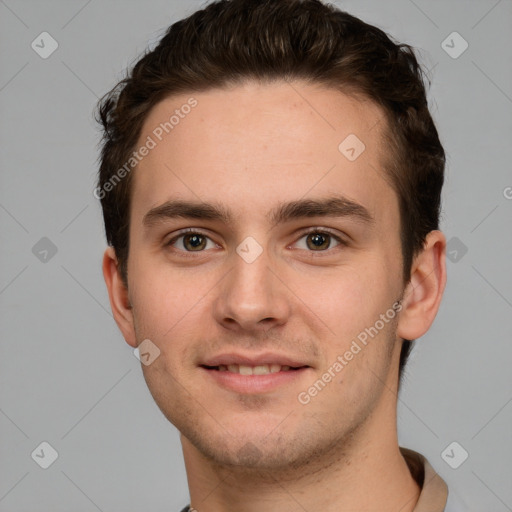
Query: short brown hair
[230, 41]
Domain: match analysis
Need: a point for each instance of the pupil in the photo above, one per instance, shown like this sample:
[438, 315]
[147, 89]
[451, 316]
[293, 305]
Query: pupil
[318, 240]
[195, 240]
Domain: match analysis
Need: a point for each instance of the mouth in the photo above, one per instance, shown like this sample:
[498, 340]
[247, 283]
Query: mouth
[254, 375]
[261, 369]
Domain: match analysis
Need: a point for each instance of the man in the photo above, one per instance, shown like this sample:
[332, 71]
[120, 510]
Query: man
[270, 179]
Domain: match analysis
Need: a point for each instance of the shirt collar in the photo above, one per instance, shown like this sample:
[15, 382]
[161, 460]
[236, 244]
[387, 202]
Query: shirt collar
[434, 491]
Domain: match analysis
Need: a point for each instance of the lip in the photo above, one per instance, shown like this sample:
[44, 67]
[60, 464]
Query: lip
[253, 360]
[254, 384]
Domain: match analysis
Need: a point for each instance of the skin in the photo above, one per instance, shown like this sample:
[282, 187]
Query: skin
[250, 148]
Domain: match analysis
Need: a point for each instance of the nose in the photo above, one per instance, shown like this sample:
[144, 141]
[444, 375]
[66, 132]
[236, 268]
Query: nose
[252, 297]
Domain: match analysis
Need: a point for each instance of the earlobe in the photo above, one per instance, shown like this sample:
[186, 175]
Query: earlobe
[423, 294]
[118, 296]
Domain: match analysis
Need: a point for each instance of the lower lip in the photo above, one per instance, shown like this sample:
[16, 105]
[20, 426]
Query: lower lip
[254, 383]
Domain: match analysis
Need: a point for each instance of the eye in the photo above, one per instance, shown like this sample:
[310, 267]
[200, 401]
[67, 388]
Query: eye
[191, 241]
[319, 240]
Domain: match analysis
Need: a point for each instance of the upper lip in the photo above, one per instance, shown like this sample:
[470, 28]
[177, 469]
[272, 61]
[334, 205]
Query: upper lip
[253, 360]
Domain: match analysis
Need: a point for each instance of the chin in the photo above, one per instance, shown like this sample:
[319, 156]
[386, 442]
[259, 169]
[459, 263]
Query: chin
[252, 455]
[252, 448]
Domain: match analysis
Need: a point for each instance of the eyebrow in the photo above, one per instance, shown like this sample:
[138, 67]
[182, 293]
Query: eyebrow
[332, 206]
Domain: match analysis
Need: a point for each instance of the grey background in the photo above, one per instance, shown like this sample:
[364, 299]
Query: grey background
[66, 375]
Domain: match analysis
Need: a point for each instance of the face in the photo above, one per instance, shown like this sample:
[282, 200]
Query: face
[256, 239]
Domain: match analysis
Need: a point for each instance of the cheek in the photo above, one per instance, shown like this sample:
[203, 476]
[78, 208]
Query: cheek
[164, 297]
[344, 298]
[170, 309]
[165, 312]
[349, 302]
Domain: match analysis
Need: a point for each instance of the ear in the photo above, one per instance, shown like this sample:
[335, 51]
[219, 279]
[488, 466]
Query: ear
[118, 295]
[423, 293]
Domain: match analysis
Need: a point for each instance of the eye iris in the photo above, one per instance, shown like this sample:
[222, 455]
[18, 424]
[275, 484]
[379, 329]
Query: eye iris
[318, 240]
[196, 241]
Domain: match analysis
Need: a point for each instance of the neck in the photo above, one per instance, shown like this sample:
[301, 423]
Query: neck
[364, 472]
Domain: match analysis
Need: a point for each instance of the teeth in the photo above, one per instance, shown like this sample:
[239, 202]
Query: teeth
[262, 369]
[274, 368]
[244, 370]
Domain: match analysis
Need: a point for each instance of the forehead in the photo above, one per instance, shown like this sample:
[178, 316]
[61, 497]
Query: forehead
[253, 144]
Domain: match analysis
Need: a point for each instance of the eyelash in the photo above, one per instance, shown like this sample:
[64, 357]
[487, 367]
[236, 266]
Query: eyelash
[321, 231]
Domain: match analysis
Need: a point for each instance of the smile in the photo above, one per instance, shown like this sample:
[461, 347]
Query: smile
[262, 369]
